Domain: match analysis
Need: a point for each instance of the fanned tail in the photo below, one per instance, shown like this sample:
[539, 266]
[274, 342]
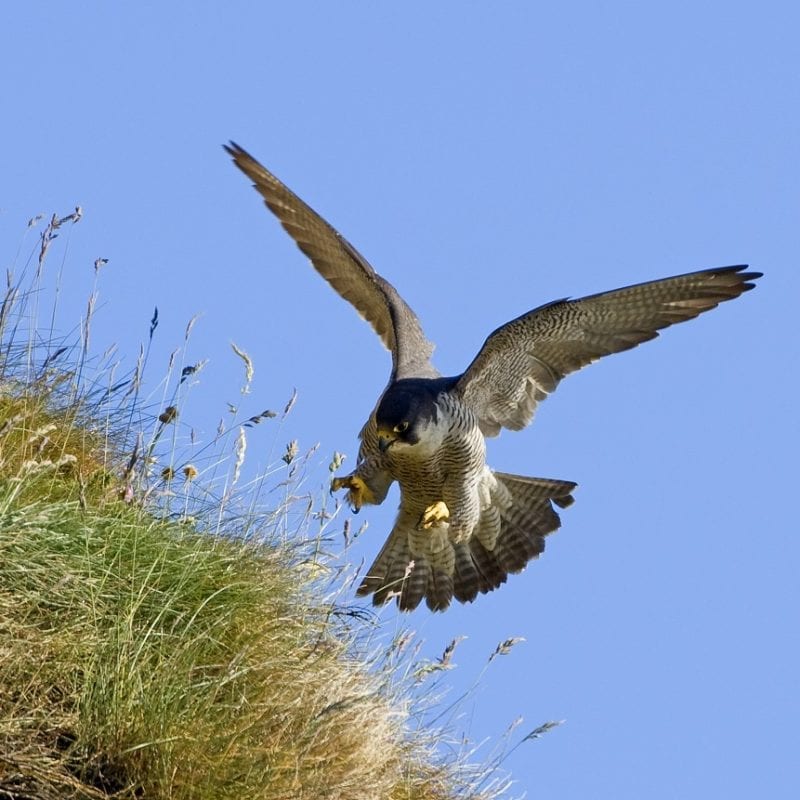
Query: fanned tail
[414, 564]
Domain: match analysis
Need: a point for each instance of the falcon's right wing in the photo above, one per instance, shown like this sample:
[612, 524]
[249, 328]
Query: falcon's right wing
[346, 270]
[524, 360]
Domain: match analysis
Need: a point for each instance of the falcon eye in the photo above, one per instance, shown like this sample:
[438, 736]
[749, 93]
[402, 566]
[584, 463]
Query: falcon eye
[401, 428]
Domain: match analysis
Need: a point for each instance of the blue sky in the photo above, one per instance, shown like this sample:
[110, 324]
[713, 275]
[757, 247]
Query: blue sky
[486, 158]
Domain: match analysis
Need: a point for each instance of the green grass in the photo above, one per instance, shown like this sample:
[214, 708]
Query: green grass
[179, 664]
[143, 655]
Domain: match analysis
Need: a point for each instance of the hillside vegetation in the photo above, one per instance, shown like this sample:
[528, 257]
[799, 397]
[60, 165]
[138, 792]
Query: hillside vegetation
[143, 654]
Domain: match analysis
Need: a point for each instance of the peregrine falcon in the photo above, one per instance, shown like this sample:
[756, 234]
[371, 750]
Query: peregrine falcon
[463, 527]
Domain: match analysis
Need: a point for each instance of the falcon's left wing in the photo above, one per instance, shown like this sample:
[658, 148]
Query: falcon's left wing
[346, 270]
[524, 360]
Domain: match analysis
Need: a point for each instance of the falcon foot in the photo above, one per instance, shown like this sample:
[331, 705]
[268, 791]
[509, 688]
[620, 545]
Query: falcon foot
[358, 493]
[434, 514]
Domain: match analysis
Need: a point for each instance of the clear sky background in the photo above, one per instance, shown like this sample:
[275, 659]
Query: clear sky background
[486, 157]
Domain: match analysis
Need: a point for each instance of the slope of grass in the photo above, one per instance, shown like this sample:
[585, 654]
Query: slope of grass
[142, 657]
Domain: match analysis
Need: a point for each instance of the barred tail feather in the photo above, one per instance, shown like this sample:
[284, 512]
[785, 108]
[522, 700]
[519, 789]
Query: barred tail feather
[490, 574]
[535, 494]
[387, 574]
[529, 517]
[440, 590]
[415, 584]
[526, 517]
[467, 579]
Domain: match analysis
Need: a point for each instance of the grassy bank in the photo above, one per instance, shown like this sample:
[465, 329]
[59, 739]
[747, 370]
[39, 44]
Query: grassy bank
[143, 657]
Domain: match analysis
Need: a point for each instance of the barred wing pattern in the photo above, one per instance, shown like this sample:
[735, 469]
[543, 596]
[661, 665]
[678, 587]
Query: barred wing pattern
[346, 270]
[524, 360]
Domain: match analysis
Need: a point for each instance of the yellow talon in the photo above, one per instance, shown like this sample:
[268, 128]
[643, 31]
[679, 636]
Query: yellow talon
[358, 493]
[434, 514]
[340, 483]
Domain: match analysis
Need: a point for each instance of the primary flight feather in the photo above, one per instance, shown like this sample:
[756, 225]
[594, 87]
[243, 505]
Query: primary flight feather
[463, 527]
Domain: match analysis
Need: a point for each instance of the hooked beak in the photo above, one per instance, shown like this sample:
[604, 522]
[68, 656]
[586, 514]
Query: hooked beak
[385, 442]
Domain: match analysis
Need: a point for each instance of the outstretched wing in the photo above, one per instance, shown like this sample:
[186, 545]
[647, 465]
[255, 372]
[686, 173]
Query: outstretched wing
[524, 360]
[346, 270]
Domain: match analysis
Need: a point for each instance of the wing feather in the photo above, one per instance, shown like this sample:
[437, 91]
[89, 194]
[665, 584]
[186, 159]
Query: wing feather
[346, 270]
[524, 360]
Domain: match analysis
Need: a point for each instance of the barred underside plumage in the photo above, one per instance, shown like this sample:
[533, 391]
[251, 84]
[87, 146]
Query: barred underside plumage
[462, 528]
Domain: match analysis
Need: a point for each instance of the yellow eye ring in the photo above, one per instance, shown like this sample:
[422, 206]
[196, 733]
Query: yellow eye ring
[401, 427]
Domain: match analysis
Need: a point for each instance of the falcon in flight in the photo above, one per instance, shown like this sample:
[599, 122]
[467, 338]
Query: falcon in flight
[463, 527]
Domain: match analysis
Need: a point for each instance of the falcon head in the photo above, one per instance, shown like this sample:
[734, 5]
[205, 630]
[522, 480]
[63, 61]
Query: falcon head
[407, 410]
